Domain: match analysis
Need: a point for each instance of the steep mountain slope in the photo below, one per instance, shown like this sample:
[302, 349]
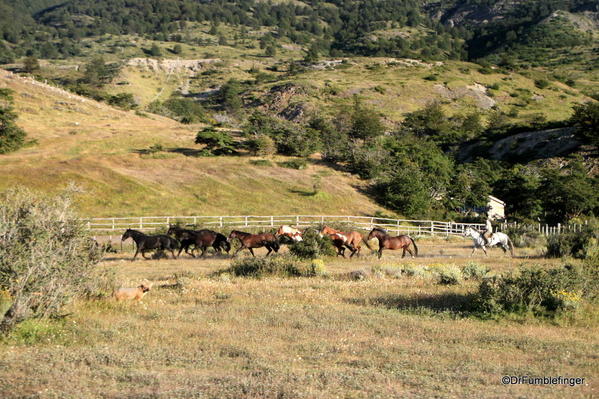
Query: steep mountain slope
[102, 149]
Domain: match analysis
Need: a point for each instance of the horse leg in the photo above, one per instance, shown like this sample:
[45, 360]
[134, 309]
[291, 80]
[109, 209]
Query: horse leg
[143, 254]
[238, 249]
[203, 254]
[473, 251]
[409, 251]
[136, 252]
[485, 250]
[380, 254]
[173, 253]
[252, 252]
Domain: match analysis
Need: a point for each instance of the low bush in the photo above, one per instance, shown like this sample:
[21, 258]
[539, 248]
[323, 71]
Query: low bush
[534, 290]
[278, 265]
[294, 164]
[449, 275]
[582, 245]
[261, 162]
[46, 257]
[474, 271]
[312, 246]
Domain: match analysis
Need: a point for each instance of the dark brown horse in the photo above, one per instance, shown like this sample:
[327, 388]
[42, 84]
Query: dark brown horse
[144, 242]
[387, 242]
[251, 241]
[202, 239]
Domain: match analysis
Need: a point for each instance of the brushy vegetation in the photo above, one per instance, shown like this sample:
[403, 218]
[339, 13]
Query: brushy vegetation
[525, 236]
[582, 245]
[537, 290]
[276, 265]
[312, 246]
[46, 257]
[11, 136]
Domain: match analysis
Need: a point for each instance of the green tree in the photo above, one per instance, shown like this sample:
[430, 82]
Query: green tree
[229, 95]
[217, 142]
[177, 49]
[365, 123]
[155, 51]
[12, 137]
[586, 119]
[570, 194]
[96, 72]
[31, 64]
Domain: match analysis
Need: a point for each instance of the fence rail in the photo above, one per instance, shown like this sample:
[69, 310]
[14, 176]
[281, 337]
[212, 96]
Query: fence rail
[366, 223]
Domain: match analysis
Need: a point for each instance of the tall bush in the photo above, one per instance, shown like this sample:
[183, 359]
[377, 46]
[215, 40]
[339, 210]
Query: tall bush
[46, 257]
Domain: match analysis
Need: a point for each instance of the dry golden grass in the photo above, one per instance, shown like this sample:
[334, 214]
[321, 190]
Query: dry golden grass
[101, 149]
[224, 337]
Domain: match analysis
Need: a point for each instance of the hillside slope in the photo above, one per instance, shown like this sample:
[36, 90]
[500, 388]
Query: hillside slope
[102, 149]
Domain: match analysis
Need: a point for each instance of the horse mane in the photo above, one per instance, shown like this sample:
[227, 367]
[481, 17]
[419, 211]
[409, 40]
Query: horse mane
[380, 229]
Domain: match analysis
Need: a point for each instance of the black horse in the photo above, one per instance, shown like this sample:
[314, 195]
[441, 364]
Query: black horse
[201, 239]
[144, 242]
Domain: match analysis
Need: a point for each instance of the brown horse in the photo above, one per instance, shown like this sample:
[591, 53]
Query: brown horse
[352, 240]
[251, 241]
[388, 242]
[202, 239]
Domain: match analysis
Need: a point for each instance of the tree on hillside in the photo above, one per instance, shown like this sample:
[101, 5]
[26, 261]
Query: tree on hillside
[586, 118]
[31, 64]
[12, 137]
[217, 142]
[229, 95]
[96, 72]
[155, 51]
[365, 122]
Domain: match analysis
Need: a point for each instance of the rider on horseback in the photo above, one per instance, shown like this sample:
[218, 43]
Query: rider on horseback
[488, 231]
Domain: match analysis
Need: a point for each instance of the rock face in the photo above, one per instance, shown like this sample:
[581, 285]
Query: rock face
[169, 66]
[476, 91]
[527, 146]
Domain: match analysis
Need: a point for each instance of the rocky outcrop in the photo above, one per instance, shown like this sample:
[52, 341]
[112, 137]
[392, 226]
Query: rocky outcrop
[170, 66]
[476, 91]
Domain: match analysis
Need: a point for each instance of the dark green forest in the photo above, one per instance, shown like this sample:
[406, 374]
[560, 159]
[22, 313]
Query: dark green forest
[51, 29]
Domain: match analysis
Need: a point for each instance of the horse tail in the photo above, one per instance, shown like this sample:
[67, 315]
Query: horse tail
[414, 244]
[510, 245]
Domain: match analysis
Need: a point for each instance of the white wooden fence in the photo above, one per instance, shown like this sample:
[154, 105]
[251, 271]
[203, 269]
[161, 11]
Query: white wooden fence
[110, 226]
[366, 223]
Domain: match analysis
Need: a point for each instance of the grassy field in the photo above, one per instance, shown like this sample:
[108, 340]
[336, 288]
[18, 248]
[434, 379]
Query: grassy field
[197, 335]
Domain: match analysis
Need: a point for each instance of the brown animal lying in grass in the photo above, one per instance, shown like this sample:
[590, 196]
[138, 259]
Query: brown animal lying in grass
[123, 294]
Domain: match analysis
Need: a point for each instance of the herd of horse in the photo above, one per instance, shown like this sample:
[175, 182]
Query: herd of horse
[181, 239]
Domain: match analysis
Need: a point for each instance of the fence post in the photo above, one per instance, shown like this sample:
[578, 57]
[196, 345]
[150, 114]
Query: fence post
[272, 221]
[297, 220]
[432, 228]
[195, 220]
[220, 220]
[559, 227]
[168, 221]
[141, 223]
[113, 224]
[246, 221]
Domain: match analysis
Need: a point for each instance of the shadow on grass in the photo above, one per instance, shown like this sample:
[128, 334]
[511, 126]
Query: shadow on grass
[455, 303]
[303, 193]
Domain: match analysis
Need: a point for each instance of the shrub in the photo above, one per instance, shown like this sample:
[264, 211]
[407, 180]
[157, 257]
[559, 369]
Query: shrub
[262, 145]
[46, 258]
[537, 290]
[312, 246]
[294, 164]
[277, 265]
[474, 271]
[541, 83]
[261, 162]
[582, 245]
[449, 275]
[318, 268]
[123, 100]
[12, 137]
